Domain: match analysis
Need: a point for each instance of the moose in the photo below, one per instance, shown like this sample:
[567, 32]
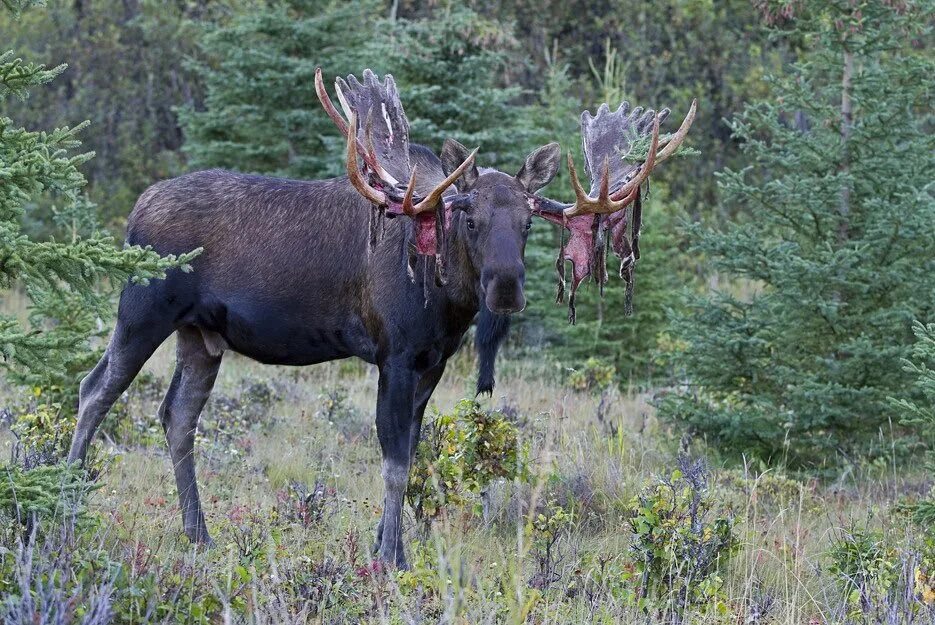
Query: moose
[390, 263]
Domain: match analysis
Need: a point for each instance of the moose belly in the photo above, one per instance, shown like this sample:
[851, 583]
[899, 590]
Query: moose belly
[283, 334]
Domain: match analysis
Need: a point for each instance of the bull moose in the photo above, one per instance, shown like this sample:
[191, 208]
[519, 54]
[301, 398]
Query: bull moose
[390, 263]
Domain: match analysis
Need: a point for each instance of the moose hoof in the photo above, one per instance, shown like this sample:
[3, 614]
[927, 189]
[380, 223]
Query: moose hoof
[200, 537]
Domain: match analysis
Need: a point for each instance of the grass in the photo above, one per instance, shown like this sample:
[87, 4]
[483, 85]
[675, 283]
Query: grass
[316, 435]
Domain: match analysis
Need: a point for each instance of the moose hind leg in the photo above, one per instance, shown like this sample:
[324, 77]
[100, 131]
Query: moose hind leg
[130, 347]
[195, 372]
[395, 397]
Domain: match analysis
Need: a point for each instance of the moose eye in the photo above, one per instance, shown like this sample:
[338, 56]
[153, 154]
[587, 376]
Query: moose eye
[529, 224]
[470, 224]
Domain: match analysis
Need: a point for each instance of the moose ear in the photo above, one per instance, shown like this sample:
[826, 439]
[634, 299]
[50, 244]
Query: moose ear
[540, 167]
[453, 154]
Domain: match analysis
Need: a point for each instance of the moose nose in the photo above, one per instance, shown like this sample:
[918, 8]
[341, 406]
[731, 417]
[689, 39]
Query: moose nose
[503, 290]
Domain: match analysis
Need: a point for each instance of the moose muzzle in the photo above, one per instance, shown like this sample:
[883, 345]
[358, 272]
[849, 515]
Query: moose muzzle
[503, 289]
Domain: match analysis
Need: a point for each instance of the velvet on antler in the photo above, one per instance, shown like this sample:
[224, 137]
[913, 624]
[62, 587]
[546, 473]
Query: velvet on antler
[382, 143]
[602, 216]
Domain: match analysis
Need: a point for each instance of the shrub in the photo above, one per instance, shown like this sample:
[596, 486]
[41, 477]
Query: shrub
[460, 455]
[37, 485]
[594, 375]
[544, 530]
[42, 436]
[43, 492]
[883, 583]
[53, 580]
[678, 545]
[866, 567]
[306, 506]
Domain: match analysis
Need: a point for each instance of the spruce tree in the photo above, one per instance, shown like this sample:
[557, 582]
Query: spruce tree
[260, 112]
[68, 281]
[451, 67]
[793, 357]
[919, 413]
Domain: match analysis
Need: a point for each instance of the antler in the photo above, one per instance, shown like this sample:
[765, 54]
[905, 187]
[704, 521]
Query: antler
[387, 193]
[606, 137]
[610, 203]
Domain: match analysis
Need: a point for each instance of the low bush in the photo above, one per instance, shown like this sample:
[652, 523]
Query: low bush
[459, 456]
[544, 530]
[680, 545]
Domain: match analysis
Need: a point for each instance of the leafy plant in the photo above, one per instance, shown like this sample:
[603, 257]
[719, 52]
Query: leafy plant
[679, 545]
[883, 583]
[544, 529]
[305, 506]
[866, 567]
[460, 455]
[594, 375]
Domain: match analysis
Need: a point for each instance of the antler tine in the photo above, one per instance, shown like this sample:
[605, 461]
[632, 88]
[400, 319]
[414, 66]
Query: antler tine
[340, 93]
[604, 193]
[353, 172]
[583, 203]
[327, 104]
[676, 140]
[431, 200]
[408, 209]
[581, 195]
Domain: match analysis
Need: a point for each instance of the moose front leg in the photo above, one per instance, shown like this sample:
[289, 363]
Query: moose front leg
[423, 392]
[395, 399]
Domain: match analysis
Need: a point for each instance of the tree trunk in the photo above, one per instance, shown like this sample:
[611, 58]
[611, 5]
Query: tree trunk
[846, 122]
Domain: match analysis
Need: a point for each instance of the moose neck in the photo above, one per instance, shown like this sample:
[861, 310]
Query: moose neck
[463, 288]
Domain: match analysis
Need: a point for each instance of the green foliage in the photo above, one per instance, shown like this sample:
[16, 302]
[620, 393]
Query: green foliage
[42, 492]
[459, 455]
[866, 567]
[37, 484]
[678, 548]
[260, 112]
[16, 76]
[880, 579]
[42, 437]
[794, 357]
[924, 574]
[126, 73]
[544, 529]
[62, 279]
[594, 374]
[450, 69]
[920, 414]
[260, 72]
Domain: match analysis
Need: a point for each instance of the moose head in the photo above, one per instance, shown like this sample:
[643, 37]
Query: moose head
[489, 212]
